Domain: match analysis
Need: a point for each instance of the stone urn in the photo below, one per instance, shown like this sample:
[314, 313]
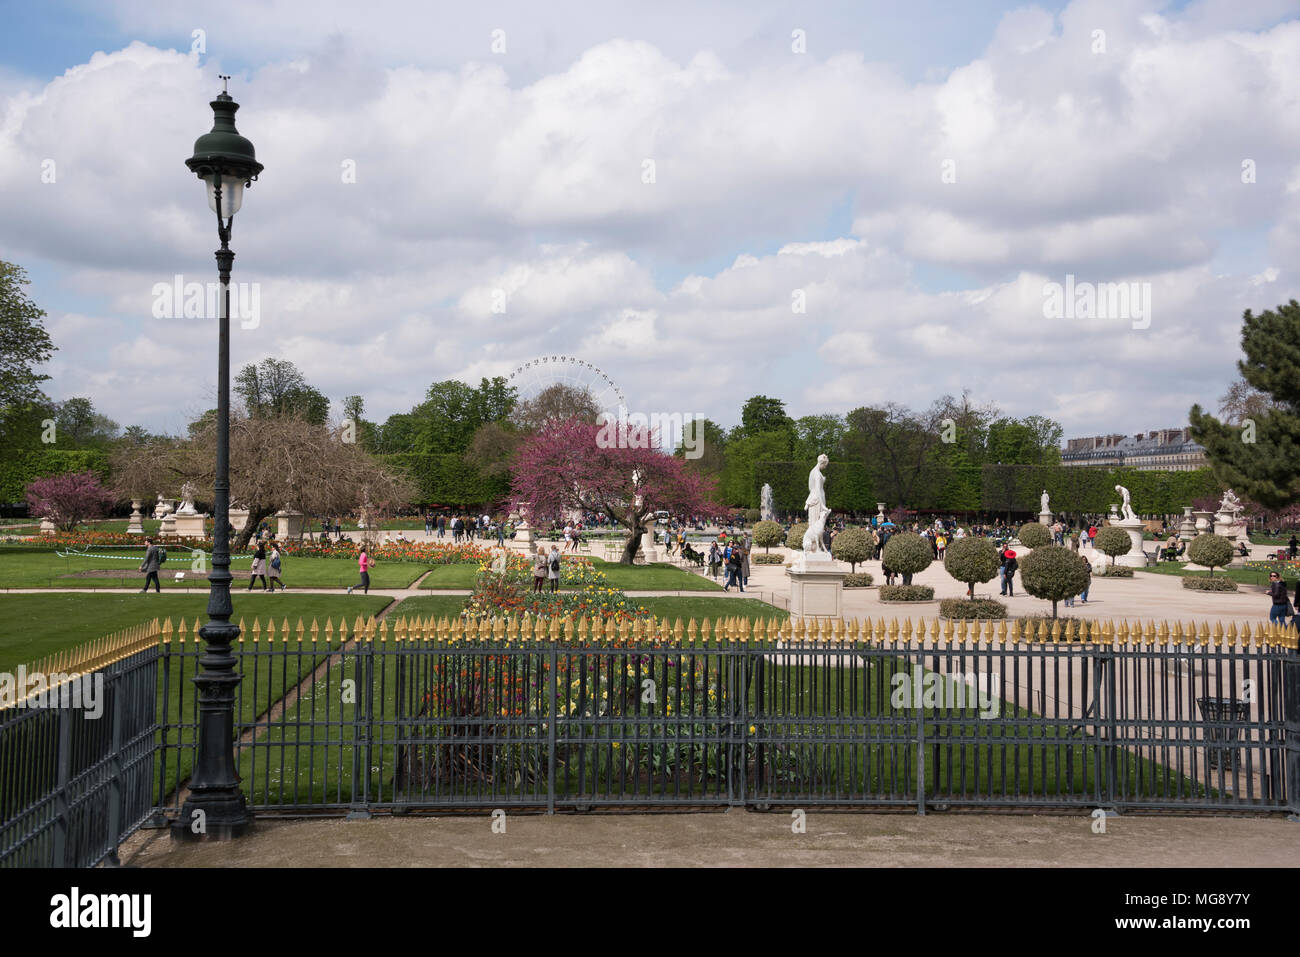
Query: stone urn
[1202, 521]
[135, 526]
[1187, 528]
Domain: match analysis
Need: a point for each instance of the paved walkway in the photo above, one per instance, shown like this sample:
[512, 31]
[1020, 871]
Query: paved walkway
[738, 838]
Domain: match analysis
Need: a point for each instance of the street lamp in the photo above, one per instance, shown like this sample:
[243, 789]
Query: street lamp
[215, 808]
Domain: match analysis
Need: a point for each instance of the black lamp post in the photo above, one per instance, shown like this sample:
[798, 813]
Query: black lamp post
[215, 808]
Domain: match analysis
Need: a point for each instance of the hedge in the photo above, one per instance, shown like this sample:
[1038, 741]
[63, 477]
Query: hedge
[1209, 584]
[20, 468]
[906, 593]
[972, 608]
[448, 479]
[766, 558]
[858, 580]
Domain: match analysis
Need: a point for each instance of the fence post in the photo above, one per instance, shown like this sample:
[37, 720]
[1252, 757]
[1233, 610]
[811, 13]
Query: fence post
[1291, 730]
[62, 825]
[115, 800]
[1108, 676]
[360, 809]
[919, 708]
[552, 691]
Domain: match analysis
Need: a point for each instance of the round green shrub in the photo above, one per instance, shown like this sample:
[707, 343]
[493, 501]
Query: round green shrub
[1054, 573]
[972, 608]
[907, 553]
[752, 515]
[853, 545]
[1114, 571]
[858, 580]
[766, 559]
[794, 539]
[1113, 541]
[1210, 551]
[1196, 583]
[1034, 535]
[767, 534]
[906, 593]
[971, 561]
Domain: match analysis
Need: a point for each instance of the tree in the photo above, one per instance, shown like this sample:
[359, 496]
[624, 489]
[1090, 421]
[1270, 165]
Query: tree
[794, 538]
[364, 432]
[703, 446]
[397, 434]
[1054, 573]
[853, 545]
[1243, 401]
[1113, 541]
[767, 534]
[1209, 551]
[1260, 456]
[275, 387]
[1034, 535]
[493, 446]
[896, 445]
[79, 426]
[26, 345]
[907, 553]
[973, 559]
[276, 463]
[566, 466]
[68, 499]
[556, 403]
[815, 435]
[762, 414]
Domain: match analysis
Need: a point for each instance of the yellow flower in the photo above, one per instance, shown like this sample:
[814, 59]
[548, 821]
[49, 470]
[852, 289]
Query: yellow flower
[752, 729]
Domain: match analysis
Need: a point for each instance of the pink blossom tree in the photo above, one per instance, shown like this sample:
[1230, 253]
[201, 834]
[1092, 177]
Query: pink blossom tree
[69, 499]
[620, 472]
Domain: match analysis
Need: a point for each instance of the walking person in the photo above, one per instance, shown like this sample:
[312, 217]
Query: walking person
[553, 568]
[1009, 573]
[259, 567]
[715, 559]
[153, 559]
[364, 564]
[275, 566]
[442, 526]
[744, 566]
[539, 568]
[1292, 547]
[1281, 606]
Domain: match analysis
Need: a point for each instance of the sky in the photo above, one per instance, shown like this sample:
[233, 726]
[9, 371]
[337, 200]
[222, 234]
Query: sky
[838, 204]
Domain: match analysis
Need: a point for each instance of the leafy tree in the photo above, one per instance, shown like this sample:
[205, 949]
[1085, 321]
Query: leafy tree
[68, 499]
[762, 414]
[853, 545]
[26, 345]
[815, 435]
[366, 432]
[1209, 551]
[740, 484]
[493, 447]
[565, 466]
[794, 538]
[77, 425]
[1260, 456]
[556, 403]
[1113, 541]
[1054, 573]
[907, 553]
[767, 534]
[397, 434]
[973, 559]
[896, 445]
[275, 387]
[706, 441]
[1034, 535]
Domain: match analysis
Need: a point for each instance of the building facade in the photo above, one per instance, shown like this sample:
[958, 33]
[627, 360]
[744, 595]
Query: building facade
[1165, 449]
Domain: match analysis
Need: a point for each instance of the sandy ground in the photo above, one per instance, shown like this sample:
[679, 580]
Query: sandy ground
[739, 838]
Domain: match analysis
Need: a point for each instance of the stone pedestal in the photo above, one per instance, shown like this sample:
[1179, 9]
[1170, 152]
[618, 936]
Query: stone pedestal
[187, 526]
[168, 527]
[1232, 527]
[288, 525]
[816, 588]
[1136, 557]
[48, 527]
[1187, 530]
[1045, 518]
[523, 534]
[134, 526]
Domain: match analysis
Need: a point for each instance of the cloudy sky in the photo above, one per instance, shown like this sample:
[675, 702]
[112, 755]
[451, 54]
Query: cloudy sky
[836, 203]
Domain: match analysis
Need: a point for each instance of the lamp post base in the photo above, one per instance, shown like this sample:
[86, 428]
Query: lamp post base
[215, 817]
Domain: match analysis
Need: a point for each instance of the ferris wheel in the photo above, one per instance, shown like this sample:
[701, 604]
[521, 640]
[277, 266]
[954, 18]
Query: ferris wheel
[535, 376]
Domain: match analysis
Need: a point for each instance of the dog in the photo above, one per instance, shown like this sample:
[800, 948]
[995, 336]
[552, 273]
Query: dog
[691, 555]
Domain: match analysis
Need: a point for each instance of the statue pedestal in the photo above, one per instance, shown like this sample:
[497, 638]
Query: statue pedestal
[168, 527]
[134, 526]
[1187, 530]
[288, 525]
[48, 527]
[816, 588]
[1232, 527]
[523, 534]
[1044, 518]
[1136, 557]
[187, 526]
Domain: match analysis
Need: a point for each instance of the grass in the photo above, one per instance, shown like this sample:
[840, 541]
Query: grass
[1243, 576]
[33, 626]
[424, 606]
[700, 608]
[660, 576]
[44, 569]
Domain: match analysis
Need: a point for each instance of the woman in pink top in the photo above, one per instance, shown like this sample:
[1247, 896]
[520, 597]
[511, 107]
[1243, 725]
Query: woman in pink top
[364, 564]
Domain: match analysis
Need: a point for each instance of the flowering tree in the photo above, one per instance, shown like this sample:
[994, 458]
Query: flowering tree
[623, 473]
[69, 499]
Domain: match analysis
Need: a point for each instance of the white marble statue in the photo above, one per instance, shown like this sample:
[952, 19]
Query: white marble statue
[1043, 503]
[187, 500]
[818, 512]
[765, 511]
[1126, 507]
[1230, 505]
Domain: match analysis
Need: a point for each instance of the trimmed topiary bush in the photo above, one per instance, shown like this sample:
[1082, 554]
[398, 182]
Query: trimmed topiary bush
[766, 559]
[1210, 551]
[1034, 535]
[906, 593]
[1053, 573]
[858, 580]
[1113, 541]
[1196, 583]
[907, 553]
[972, 608]
[794, 539]
[1114, 571]
[767, 534]
[853, 545]
[971, 561]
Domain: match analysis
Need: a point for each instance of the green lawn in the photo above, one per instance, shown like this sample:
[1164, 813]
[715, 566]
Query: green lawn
[439, 606]
[1243, 576]
[21, 568]
[33, 626]
[660, 576]
[459, 576]
[700, 608]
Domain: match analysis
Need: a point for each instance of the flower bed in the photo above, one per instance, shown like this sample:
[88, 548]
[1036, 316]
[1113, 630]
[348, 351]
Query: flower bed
[510, 593]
